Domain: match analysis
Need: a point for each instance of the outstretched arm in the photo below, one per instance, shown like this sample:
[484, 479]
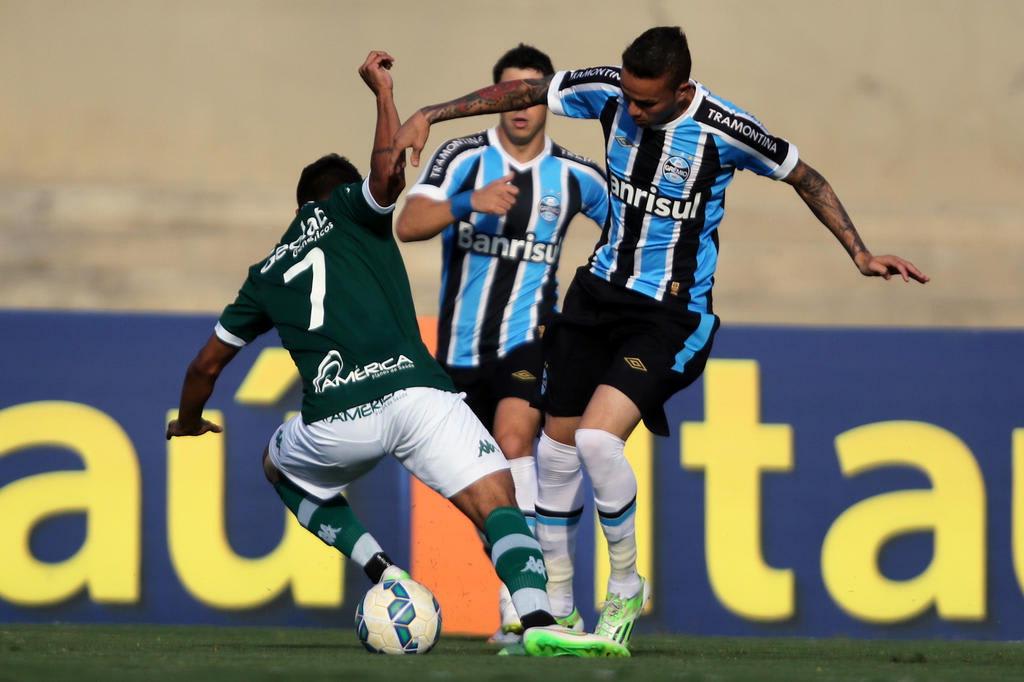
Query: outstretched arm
[423, 217]
[387, 169]
[819, 196]
[198, 387]
[504, 96]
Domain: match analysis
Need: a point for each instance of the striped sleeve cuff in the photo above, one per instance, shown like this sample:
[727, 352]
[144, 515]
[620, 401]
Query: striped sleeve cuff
[429, 191]
[788, 164]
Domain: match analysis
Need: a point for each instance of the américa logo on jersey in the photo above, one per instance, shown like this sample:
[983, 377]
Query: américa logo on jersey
[330, 375]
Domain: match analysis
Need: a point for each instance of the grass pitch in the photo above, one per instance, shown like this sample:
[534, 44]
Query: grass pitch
[153, 653]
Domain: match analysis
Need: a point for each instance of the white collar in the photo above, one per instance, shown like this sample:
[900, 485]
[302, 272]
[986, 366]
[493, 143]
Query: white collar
[495, 141]
[698, 97]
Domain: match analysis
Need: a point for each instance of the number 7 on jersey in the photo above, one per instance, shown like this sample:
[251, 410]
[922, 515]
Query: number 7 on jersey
[314, 259]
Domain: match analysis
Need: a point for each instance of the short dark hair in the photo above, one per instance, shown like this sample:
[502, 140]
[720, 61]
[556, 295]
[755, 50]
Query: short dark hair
[523, 57]
[658, 51]
[322, 176]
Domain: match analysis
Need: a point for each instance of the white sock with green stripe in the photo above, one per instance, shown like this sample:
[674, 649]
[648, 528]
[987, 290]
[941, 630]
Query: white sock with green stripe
[559, 509]
[615, 488]
[519, 563]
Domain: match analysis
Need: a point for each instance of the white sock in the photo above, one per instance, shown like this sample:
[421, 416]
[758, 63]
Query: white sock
[615, 498]
[559, 507]
[524, 476]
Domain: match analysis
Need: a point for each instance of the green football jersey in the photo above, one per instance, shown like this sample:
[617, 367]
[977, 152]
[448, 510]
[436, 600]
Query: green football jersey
[336, 290]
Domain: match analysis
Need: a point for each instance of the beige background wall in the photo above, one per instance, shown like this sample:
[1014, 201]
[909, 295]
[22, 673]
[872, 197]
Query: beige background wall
[149, 150]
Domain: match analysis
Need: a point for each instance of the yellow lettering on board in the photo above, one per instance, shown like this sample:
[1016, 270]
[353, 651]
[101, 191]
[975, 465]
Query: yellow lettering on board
[953, 510]
[270, 377]
[1017, 521]
[107, 492]
[207, 566]
[733, 448]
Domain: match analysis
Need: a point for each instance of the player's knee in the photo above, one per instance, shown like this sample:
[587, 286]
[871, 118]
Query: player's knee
[599, 449]
[514, 444]
[555, 459]
[485, 495]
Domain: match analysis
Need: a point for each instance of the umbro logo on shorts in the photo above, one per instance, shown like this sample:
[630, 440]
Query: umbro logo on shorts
[524, 375]
[636, 363]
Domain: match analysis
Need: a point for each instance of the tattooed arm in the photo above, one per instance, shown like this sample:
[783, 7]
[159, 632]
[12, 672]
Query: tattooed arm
[823, 202]
[504, 96]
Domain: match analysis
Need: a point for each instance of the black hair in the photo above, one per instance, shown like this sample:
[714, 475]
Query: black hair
[523, 57]
[322, 176]
[658, 51]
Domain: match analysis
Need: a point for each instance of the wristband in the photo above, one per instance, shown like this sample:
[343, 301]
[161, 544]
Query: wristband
[461, 205]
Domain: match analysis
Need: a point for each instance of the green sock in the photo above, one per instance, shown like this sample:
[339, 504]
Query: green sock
[519, 563]
[334, 522]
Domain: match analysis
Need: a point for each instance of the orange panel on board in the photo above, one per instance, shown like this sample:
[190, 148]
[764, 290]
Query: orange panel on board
[446, 552]
[448, 557]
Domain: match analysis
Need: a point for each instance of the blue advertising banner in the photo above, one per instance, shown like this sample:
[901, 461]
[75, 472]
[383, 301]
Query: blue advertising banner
[817, 482]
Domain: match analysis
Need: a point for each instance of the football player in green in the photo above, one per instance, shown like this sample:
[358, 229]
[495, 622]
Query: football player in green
[336, 290]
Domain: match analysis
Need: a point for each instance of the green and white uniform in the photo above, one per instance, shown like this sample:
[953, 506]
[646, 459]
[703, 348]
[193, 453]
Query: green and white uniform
[336, 290]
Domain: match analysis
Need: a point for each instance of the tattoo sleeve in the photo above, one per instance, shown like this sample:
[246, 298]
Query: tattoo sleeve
[504, 96]
[819, 196]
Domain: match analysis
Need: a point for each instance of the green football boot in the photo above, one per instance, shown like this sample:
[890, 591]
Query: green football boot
[557, 640]
[574, 621]
[619, 614]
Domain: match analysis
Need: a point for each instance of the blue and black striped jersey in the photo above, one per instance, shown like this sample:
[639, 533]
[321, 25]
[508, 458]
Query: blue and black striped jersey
[498, 277]
[667, 184]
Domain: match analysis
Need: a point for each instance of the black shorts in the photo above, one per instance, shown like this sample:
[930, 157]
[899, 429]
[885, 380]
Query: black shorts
[517, 375]
[607, 334]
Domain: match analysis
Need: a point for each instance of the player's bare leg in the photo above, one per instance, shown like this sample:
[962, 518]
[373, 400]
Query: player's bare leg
[516, 424]
[608, 421]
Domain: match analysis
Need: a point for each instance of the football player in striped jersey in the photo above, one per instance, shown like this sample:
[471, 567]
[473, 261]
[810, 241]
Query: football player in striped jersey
[638, 323]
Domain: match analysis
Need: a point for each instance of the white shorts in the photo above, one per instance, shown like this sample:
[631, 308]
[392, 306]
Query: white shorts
[433, 434]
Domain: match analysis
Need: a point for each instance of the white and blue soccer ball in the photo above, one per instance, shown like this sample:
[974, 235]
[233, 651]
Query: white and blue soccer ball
[398, 617]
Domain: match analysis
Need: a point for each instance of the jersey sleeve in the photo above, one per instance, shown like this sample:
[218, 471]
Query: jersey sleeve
[243, 320]
[452, 164]
[594, 194]
[585, 92]
[359, 204]
[745, 143]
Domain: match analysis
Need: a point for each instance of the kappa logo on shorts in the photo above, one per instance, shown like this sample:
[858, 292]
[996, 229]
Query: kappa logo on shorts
[636, 363]
[486, 448]
[278, 437]
[524, 375]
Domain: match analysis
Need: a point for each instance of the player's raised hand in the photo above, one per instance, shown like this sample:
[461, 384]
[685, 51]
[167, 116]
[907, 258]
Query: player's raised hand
[175, 428]
[374, 71]
[412, 135]
[887, 266]
[495, 197]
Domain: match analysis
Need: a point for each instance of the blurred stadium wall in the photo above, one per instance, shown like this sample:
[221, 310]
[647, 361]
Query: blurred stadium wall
[149, 150]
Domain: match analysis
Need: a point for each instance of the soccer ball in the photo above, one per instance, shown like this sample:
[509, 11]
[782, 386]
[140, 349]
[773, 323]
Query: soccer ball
[398, 617]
